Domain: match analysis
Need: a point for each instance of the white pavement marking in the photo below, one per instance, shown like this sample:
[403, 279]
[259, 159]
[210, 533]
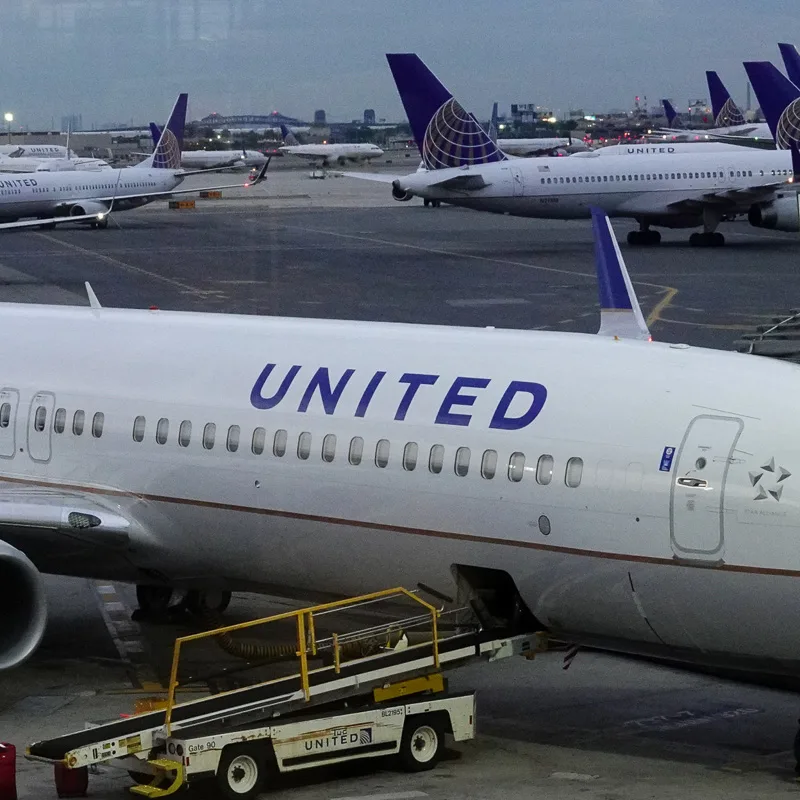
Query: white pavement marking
[489, 301]
[124, 265]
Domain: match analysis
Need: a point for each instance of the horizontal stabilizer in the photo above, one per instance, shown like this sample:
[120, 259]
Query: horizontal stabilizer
[620, 315]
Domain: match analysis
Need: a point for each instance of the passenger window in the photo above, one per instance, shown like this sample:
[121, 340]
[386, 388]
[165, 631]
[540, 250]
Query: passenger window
[489, 464]
[259, 441]
[39, 419]
[138, 429]
[462, 461]
[59, 420]
[382, 453]
[5, 415]
[78, 422]
[356, 452]
[279, 443]
[544, 470]
[162, 430]
[209, 436]
[329, 448]
[232, 442]
[304, 445]
[542, 180]
[410, 453]
[436, 459]
[573, 473]
[98, 420]
[516, 467]
[185, 433]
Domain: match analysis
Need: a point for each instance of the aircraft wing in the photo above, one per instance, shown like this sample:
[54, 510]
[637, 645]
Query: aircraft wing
[731, 198]
[379, 177]
[461, 183]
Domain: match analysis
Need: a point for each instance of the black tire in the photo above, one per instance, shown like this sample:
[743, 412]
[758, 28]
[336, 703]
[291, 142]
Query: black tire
[241, 773]
[422, 743]
[199, 602]
[153, 600]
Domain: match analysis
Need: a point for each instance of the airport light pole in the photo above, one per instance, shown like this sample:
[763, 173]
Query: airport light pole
[9, 118]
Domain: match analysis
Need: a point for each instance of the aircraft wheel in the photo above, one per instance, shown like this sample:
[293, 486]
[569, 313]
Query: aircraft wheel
[653, 237]
[200, 602]
[436, 203]
[697, 240]
[634, 238]
[241, 773]
[422, 743]
[426, 202]
[717, 239]
[797, 752]
[153, 600]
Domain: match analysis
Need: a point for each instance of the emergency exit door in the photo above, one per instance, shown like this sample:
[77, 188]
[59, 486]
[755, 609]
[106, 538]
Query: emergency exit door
[697, 501]
[9, 403]
[40, 426]
[517, 180]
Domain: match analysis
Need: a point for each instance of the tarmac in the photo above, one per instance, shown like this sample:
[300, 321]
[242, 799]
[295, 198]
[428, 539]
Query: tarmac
[608, 727]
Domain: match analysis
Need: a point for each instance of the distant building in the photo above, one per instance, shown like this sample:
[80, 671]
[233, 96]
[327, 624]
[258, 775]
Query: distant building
[523, 113]
[319, 116]
[72, 122]
[369, 116]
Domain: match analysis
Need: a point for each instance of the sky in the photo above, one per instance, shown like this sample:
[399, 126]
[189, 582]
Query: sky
[123, 61]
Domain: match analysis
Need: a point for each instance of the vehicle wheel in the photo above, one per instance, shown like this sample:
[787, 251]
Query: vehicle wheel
[241, 772]
[153, 599]
[422, 743]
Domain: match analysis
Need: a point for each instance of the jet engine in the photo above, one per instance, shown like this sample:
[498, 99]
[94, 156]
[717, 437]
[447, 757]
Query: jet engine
[88, 207]
[399, 193]
[23, 607]
[782, 214]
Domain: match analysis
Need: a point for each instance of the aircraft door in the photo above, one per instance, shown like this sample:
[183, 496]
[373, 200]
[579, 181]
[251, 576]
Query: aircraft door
[40, 426]
[517, 181]
[9, 403]
[697, 499]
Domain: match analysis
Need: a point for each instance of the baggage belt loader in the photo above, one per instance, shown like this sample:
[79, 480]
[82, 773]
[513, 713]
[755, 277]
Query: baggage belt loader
[379, 691]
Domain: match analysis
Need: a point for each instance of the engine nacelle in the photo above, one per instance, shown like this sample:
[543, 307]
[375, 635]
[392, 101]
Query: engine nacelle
[399, 193]
[23, 607]
[782, 214]
[88, 207]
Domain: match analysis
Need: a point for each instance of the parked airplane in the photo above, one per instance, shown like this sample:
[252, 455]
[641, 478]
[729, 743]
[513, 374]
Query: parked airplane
[729, 122]
[659, 518]
[215, 159]
[36, 150]
[465, 168]
[327, 155]
[530, 148]
[89, 195]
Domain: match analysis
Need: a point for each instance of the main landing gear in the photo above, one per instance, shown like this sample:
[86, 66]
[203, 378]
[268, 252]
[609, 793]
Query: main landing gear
[434, 203]
[707, 239]
[644, 237]
[155, 602]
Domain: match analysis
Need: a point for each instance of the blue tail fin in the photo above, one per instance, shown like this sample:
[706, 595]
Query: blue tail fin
[288, 137]
[167, 152]
[155, 133]
[493, 124]
[671, 114]
[726, 112]
[791, 60]
[620, 315]
[447, 136]
[778, 98]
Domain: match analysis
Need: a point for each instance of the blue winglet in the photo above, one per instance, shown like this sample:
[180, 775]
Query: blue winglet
[620, 314]
[778, 97]
[791, 60]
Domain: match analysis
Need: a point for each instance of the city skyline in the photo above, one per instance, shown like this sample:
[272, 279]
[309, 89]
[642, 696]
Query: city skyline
[122, 60]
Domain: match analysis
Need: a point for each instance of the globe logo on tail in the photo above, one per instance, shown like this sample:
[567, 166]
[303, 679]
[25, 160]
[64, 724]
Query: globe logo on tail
[788, 130]
[729, 115]
[168, 152]
[454, 139]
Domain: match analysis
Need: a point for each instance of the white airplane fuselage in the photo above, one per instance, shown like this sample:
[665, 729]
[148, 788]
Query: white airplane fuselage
[532, 147]
[327, 154]
[751, 130]
[643, 496]
[565, 188]
[208, 159]
[46, 194]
